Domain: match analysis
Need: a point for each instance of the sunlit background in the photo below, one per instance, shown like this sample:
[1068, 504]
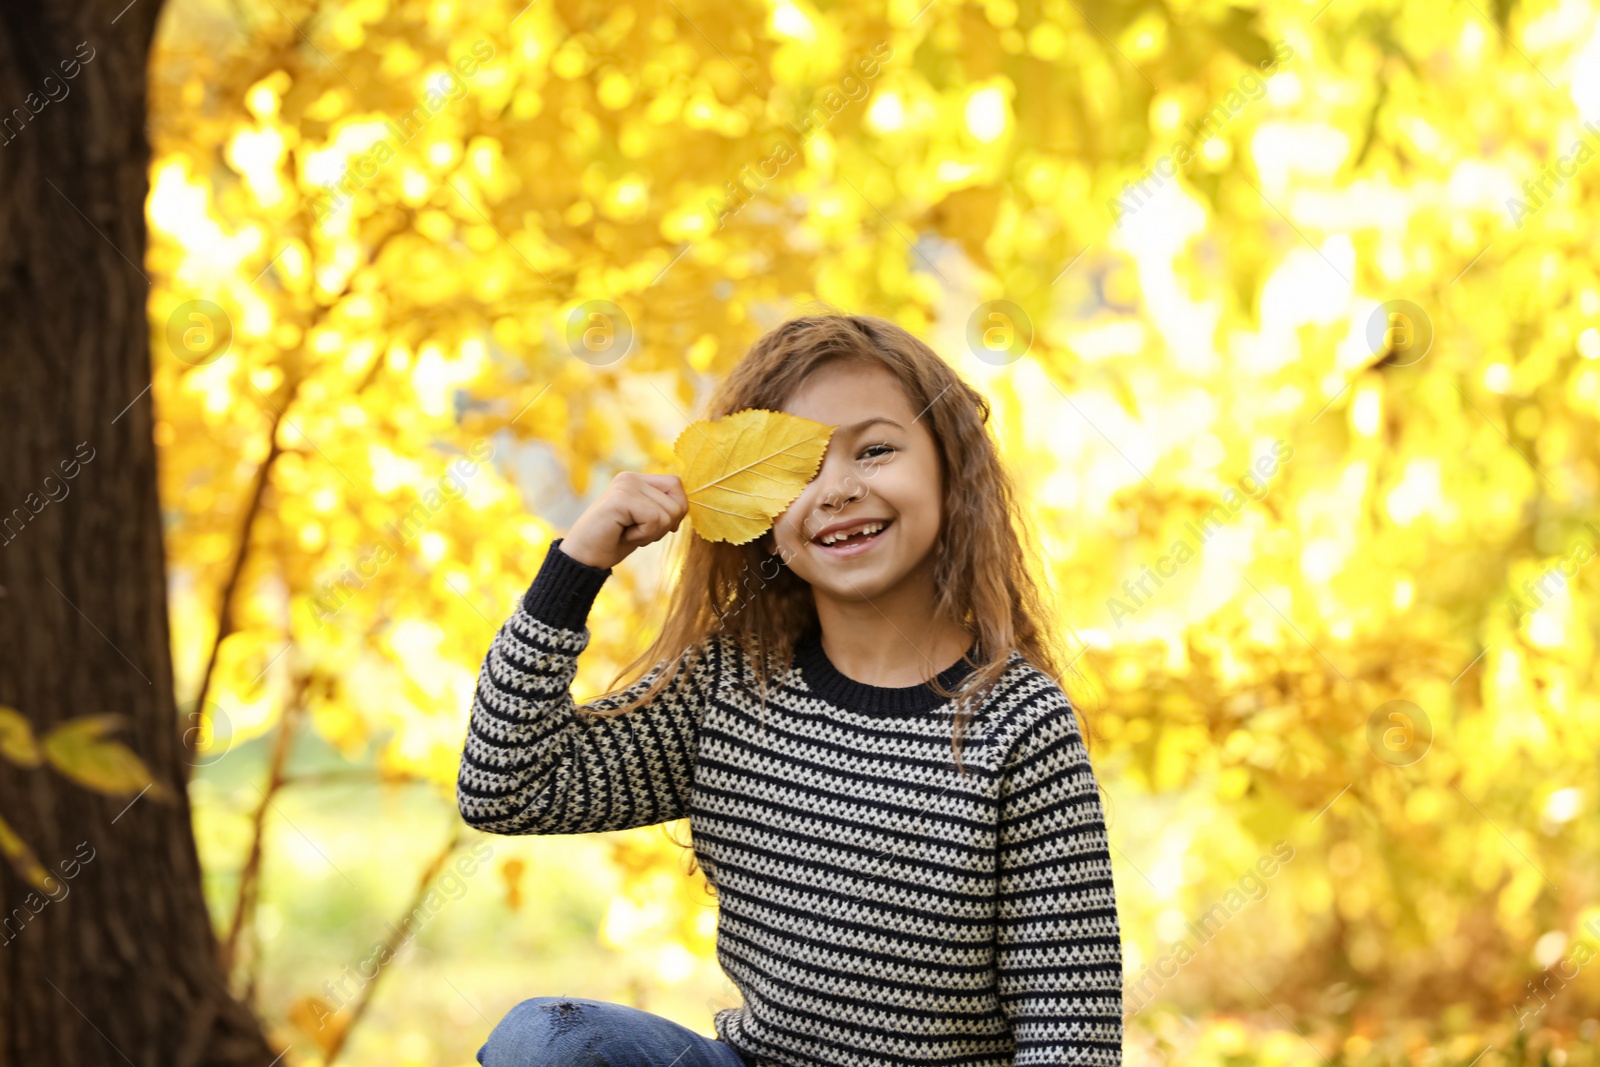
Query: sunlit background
[1290, 318]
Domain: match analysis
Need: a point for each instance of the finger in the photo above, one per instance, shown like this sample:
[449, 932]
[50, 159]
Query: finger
[670, 484]
[657, 515]
[649, 530]
[665, 500]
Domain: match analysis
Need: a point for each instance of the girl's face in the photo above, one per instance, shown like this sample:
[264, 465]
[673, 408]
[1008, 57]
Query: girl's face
[881, 466]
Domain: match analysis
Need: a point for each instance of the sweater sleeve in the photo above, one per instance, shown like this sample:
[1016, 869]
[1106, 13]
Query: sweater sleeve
[535, 763]
[1058, 941]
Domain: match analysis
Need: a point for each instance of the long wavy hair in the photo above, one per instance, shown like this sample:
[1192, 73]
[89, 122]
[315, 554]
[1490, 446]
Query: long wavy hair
[985, 551]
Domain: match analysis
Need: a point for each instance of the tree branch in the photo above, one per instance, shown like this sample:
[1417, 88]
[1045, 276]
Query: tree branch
[258, 493]
[392, 942]
[250, 875]
[225, 601]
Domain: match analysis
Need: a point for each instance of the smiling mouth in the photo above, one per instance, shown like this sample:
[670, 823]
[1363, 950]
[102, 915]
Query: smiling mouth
[855, 543]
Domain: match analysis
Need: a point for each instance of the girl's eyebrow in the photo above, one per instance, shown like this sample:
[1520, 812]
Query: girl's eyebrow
[857, 427]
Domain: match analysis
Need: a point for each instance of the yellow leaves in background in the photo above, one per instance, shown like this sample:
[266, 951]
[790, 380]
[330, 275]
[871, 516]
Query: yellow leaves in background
[511, 874]
[415, 318]
[22, 858]
[78, 749]
[16, 739]
[660, 921]
[319, 1020]
[742, 471]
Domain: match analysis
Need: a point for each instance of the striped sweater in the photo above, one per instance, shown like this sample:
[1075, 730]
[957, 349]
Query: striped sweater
[875, 907]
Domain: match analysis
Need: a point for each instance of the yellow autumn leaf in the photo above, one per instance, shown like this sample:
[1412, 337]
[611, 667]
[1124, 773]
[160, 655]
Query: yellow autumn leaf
[319, 1020]
[16, 738]
[511, 873]
[23, 859]
[740, 472]
[79, 749]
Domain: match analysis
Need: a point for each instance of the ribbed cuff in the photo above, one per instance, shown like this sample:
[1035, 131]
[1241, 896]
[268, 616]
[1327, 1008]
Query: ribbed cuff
[564, 590]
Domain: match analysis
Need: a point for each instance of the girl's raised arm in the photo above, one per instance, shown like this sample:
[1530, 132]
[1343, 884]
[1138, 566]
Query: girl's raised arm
[534, 763]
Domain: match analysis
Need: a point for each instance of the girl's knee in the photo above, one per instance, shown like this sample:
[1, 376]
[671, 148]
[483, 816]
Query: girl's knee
[545, 1032]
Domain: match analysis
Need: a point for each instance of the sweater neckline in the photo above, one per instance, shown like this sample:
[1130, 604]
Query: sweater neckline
[828, 682]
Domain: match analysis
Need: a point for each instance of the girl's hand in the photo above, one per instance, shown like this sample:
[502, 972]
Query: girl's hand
[634, 510]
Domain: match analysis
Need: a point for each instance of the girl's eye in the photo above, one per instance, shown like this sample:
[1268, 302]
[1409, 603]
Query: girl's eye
[869, 448]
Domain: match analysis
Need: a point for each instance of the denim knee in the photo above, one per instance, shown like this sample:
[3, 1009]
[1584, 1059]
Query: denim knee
[545, 1032]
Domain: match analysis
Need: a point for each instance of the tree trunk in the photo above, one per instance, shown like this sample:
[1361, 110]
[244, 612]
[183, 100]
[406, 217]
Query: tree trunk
[122, 966]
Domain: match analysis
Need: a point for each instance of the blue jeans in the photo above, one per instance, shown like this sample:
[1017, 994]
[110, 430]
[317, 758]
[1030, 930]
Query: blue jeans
[576, 1032]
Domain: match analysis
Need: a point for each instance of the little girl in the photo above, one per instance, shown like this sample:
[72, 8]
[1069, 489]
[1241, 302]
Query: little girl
[858, 714]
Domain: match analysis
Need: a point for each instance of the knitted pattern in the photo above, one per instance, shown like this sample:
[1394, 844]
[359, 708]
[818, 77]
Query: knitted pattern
[875, 907]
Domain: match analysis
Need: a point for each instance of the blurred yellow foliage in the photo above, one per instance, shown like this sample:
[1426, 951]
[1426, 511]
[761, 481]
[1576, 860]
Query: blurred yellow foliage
[1306, 408]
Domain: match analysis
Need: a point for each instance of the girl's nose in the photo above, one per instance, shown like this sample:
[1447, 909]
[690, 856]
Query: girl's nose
[841, 492]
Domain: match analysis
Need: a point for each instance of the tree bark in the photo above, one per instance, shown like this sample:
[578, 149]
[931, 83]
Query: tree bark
[121, 967]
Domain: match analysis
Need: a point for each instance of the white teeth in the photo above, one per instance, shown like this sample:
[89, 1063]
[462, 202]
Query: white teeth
[870, 528]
